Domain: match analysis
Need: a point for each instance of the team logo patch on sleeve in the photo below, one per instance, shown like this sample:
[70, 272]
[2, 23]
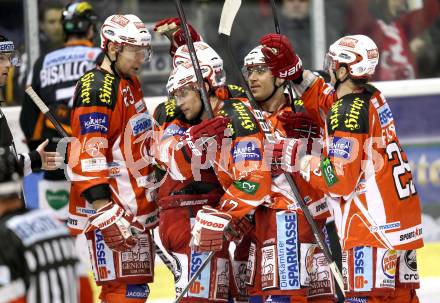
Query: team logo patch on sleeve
[246, 150]
[94, 123]
[341, 148]
[173, 130]
[385, 115]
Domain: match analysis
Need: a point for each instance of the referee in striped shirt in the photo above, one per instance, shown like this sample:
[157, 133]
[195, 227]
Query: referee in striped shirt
[38, 262]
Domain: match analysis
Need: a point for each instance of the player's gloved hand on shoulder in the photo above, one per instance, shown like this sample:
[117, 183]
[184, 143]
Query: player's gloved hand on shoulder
[284, 157]
[116, 226]
[171, 28]
[208, 231]
[197, 138]
[281, 57]
[300, 126]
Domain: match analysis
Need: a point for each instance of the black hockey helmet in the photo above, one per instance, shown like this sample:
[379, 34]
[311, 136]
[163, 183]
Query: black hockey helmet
[77, 18]
[10, 177]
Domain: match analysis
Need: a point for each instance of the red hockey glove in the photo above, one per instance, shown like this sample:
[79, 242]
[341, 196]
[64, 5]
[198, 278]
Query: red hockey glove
[196, 138]
[208, 230]
[238, 228]
[299, 126]
[116, 226]
[281, 57]
[285, 156]
[170, 27]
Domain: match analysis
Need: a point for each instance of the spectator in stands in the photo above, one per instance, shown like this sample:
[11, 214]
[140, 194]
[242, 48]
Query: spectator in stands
[395, 27]
[295, 23]
[51, 27]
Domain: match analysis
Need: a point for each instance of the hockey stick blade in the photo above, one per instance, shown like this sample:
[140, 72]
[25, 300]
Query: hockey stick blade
[229, 11]
[194, 276]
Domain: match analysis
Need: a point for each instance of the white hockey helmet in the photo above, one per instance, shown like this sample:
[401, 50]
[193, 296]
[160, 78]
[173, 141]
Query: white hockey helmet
[204, 52]
[254, 57]
[124, 29]
[358, 52]
[183, 73]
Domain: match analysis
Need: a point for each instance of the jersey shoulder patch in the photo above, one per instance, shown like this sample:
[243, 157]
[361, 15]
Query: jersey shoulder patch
[350, 114]
[96, 88]
[168, 111]
[243, 122]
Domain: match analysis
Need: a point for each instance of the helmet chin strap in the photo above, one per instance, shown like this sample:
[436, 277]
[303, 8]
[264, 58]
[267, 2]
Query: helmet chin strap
[338, 81]
[275, 88]
[113, 63]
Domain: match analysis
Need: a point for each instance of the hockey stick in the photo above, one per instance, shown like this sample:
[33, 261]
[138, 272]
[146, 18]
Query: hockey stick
[275, 16]
[194, 60]
[207, 104]
[230, 9]
[45, 110]
[278, 31]
[194, 276]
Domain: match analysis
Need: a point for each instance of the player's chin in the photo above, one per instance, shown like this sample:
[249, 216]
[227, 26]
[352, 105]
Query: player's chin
[189, 115]
[134, 72]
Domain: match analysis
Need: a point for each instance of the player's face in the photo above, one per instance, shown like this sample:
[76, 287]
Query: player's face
[261, 81]
[131, 59]
[188, 100]
[5, 65]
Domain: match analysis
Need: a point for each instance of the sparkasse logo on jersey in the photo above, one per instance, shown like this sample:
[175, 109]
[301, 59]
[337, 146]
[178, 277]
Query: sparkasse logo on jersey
[103, 262]
[363, 268]
[140, 124]
[201, 285]
[288, 255]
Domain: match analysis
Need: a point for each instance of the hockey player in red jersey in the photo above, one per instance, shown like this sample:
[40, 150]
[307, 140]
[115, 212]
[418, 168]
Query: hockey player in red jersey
[364, 170]
[232, 186]
[295, 277]
[190, 195]
[110, 196]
